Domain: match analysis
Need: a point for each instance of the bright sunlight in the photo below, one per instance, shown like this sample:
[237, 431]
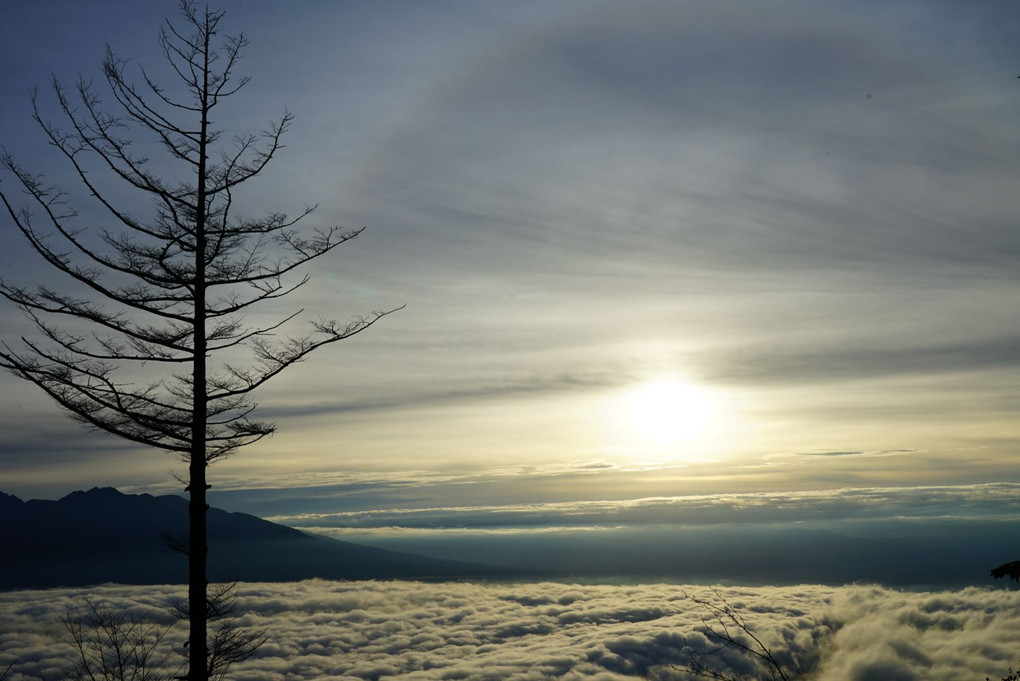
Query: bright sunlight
[668, 411]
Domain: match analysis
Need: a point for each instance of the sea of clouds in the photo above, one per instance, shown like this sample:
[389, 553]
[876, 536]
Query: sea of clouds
[604, 632]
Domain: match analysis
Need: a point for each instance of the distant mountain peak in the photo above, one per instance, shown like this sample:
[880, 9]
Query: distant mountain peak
[9, 500]
[94, 493]
[104, 535]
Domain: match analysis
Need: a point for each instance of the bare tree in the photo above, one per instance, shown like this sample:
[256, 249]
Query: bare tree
[229, 643]
[109, 645]
[1010, 675]
[725, 629]
[169, 291]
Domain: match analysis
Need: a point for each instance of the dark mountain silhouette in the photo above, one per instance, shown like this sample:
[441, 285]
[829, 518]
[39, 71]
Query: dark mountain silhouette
[105, 536]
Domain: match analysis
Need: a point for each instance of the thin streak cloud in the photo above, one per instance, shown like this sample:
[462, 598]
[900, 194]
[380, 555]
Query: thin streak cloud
[994, 501]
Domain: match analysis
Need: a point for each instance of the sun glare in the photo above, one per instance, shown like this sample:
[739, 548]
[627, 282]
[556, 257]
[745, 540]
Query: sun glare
[668, 411]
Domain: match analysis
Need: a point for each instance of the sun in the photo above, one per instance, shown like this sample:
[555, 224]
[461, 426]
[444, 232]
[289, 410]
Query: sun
[668, 411]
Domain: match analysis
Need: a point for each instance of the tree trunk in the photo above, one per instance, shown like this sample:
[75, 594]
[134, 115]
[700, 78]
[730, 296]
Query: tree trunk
[198, 655]
[194, 268]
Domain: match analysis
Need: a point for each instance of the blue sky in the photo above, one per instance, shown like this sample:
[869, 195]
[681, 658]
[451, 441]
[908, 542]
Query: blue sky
[649, 250]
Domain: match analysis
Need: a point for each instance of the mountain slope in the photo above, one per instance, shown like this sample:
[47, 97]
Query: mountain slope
[105, 536]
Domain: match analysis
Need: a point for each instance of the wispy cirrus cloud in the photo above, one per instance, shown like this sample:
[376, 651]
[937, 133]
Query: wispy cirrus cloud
[985, 502]
[810, 203]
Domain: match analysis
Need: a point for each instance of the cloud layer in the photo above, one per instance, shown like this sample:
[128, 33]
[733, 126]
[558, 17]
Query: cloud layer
[480, 632]
[992, 501]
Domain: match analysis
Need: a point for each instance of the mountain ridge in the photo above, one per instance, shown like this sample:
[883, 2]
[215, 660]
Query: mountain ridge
[103, 535]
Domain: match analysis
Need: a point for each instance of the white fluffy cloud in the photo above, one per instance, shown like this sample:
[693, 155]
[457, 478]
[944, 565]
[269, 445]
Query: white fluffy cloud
[375, 630]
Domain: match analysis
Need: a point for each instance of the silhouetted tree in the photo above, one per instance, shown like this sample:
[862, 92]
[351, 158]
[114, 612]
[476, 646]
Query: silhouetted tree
[1010, 675]
[1011, 570]
[169, 291]
[229, 643]
[725, 629]
[110, 645]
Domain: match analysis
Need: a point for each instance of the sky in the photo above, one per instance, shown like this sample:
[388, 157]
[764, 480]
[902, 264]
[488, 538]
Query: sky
[656, 257]
[544, 631]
